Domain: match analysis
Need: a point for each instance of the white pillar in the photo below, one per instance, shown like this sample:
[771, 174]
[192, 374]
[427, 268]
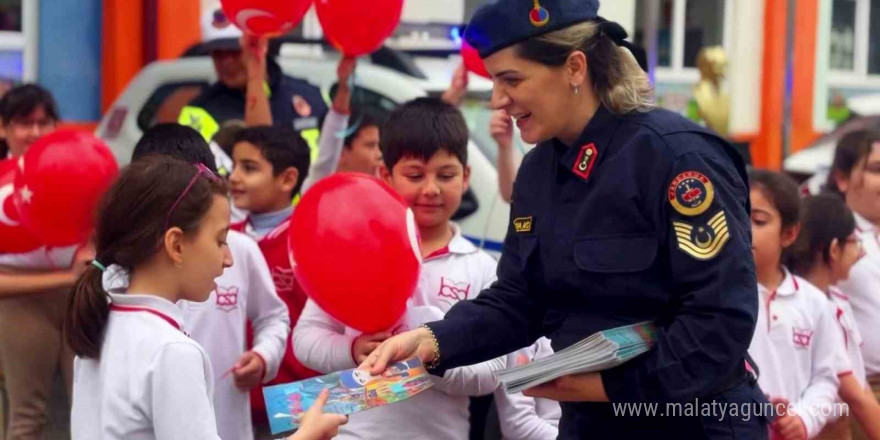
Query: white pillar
[745, 73]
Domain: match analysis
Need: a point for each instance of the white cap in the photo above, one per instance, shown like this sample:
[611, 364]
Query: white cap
[216, 25]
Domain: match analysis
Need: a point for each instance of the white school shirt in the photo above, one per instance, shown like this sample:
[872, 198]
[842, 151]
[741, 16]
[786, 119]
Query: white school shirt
[245, 291]
[44, 258]
[456, 273]
[150, 382]
[850, 332]
[864, 296]
[799, 350]
[522, 417]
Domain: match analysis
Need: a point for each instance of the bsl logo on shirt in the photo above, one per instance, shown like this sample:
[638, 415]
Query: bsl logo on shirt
[227, 298]
[801, 337]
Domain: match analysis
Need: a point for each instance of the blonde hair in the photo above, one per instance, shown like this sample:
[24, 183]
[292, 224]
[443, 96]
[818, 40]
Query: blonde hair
[621, 85]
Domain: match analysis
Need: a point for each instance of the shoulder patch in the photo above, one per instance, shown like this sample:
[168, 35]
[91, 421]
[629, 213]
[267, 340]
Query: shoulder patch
[703, 241]
[691, 193]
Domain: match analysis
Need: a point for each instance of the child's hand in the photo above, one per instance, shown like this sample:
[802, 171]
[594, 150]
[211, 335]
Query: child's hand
[363, 345]
[254, 49]
[319, 426]
[791, 427]
[457, 87]
[345, 69]
[248, 371]
[501, 128]
[81, 260]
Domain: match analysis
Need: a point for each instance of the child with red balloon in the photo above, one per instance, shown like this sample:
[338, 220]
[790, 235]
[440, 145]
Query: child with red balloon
[424, 146]
[40, 246]
[165, 223]
[271, 164]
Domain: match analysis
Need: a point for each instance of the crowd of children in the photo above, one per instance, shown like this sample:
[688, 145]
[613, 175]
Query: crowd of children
[179, 313]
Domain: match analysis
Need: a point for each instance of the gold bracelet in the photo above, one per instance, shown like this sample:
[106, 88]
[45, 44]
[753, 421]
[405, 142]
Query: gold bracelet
[436, 361]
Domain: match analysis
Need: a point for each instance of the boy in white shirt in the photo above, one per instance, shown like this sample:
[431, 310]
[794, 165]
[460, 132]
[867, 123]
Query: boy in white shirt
[244, 292]
[424, 147]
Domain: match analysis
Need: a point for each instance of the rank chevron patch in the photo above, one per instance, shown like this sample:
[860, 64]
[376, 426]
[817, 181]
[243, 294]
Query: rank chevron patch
[703, 242]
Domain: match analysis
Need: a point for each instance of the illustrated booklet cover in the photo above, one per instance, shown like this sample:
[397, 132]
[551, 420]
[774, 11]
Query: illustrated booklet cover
[351, 391]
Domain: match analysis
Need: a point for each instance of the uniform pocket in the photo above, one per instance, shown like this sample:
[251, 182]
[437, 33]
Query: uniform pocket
[627, 254]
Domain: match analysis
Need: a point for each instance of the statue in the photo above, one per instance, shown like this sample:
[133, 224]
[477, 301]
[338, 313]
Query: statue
[712, 103]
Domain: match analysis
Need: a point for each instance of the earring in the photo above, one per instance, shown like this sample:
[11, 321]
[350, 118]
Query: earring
[577, 90]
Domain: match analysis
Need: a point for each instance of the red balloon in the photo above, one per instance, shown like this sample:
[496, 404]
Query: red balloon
[358, 27]
[14, 238]
[472, 60]
[266, 17]
[356, 250]
[63, 176]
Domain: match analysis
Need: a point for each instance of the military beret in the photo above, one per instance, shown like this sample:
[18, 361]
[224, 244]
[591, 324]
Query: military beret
[502, 23]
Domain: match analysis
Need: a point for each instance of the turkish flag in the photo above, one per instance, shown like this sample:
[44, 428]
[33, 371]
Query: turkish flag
[14, 238]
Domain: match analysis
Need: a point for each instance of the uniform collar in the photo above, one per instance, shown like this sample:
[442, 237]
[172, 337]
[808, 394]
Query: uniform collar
[863, 225]
[789, 285]
[153, 305]
[598, 132]
[457, 245]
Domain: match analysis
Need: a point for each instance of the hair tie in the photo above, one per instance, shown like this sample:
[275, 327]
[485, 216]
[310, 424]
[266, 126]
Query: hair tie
[98, 264]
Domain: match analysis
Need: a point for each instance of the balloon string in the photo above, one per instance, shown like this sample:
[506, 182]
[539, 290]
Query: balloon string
[356, 99]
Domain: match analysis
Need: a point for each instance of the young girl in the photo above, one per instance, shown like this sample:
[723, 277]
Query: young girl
[824, 253]
[795, 335]
[855, 175]
[33, 284]
[137, 375]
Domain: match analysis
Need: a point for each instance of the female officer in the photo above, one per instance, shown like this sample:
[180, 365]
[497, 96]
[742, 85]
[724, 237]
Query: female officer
[621, 214]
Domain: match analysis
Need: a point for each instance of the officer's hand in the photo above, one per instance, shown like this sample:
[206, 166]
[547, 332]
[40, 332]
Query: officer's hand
[501, 128]
[248, 371]
[319, 426]
[404, 346]
[345, 69]
[363, 345]
[585, 387]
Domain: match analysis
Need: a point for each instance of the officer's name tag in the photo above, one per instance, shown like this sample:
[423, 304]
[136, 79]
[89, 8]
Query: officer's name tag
[305, 123]
[523, 224]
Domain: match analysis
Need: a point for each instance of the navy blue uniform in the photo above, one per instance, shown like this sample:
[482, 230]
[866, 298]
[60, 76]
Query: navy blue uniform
[645, 217]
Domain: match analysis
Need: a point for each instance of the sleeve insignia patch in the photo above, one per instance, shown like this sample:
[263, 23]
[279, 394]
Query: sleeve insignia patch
[691, 193]
[703, 242]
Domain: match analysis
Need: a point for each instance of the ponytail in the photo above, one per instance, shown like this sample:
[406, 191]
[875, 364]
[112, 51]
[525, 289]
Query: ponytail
[87, 314]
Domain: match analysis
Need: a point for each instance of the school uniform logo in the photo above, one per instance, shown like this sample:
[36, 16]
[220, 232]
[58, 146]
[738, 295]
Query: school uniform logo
[283, 279]
[227, 298]
[583, 165]
[801, 338]
[538, 15]
[691, 193]
[703, 241]
[453, 290]
[523, 224]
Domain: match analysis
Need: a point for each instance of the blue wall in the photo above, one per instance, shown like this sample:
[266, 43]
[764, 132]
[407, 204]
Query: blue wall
[70, 56]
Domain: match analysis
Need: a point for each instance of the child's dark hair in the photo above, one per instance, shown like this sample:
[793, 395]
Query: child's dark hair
[420, 128]
[130, 231]
[282, 148]
[177, 141]
[852, 148]
[357, 123]
[225, 137]
[20, 101]
[825, 217]
[782, 191]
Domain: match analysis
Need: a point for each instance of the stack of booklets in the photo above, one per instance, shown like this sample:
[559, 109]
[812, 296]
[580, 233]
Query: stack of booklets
[600, 351]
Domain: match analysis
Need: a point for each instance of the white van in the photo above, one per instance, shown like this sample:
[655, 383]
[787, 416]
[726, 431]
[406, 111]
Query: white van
[385, 80]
